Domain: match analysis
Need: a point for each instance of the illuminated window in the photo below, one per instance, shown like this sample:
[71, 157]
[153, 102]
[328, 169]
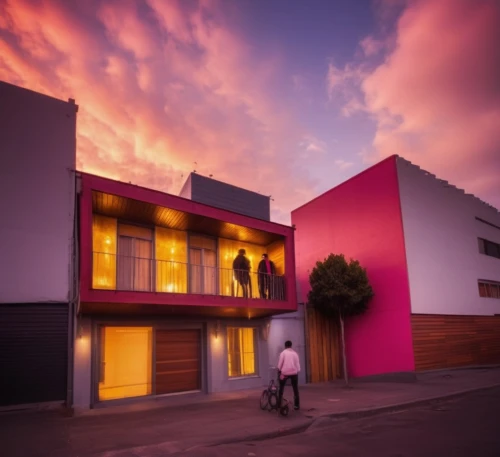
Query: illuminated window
[171, 260]
[104, 252]
[241, 344]
[134, 261]
[125, 362]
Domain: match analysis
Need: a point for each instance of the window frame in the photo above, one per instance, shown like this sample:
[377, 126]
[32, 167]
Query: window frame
[255, 352]
[488, 289]
[489, 248]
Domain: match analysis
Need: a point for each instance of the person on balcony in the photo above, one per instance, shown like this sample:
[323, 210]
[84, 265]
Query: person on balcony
[266, 273]
[241, 268]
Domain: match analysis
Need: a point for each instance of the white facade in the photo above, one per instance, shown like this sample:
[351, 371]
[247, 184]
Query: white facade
[441, 232]
[37, 195]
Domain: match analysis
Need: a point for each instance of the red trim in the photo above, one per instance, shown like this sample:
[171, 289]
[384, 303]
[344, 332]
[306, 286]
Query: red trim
[85, 240]
[161, 298]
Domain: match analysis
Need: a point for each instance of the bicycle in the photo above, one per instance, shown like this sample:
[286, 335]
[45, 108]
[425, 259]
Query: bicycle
[269, 397]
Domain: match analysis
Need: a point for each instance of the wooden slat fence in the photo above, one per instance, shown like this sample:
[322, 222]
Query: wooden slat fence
[322, 342]
[441, 341]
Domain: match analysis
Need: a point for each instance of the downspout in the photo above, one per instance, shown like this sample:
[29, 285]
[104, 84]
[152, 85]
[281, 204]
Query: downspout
[74, 301]
[306, 342]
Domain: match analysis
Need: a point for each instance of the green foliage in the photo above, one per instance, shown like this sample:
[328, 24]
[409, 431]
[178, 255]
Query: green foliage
[339, 287]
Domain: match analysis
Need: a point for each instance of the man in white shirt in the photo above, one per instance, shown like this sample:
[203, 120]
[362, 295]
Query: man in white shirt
[289, 367]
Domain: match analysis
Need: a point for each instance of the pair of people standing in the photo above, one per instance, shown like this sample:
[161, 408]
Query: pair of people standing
[266, 273]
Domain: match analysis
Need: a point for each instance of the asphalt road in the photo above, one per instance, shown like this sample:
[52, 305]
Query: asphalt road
[465, 427]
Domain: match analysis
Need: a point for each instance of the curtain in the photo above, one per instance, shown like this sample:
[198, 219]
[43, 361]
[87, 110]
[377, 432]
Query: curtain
[195, 281]
[143, 267]
[209, 272]
[171, 260]
[104, 252]
[202, 265]
[134, 264]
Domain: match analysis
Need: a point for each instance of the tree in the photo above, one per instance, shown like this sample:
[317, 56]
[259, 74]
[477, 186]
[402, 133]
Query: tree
[340, 289]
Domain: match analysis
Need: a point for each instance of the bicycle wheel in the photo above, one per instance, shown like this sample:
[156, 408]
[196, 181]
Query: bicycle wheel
[273, 400]
[264, 399]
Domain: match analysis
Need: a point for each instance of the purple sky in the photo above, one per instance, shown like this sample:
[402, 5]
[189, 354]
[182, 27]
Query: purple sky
[285, 97]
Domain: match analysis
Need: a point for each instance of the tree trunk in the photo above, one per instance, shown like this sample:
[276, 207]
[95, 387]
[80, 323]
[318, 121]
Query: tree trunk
[344, 361]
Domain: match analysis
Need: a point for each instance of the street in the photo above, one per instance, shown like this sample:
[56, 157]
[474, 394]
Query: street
[465, 427]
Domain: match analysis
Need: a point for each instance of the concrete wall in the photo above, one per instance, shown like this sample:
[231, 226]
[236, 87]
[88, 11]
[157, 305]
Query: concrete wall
[285, 327]
[217, 374]
[441, 237]
[214, 358]
[361, 218]
[82, 365]
[222, 195]
[37, 184]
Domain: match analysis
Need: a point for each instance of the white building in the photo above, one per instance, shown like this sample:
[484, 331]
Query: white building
[37, 201]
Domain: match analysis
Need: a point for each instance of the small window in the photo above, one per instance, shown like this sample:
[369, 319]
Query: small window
[489, 248]
[241, 344]
[489, 289]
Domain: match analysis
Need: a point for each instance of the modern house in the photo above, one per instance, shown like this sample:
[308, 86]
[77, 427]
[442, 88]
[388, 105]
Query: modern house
[432, 254]
[110, 291]
[37, 201]
[160, 309]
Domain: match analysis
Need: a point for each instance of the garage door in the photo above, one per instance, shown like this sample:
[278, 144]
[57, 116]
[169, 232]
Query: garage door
[33, 353]
[178, 361]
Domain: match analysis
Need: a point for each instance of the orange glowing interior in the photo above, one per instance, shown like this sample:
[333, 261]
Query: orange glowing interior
[126, 358]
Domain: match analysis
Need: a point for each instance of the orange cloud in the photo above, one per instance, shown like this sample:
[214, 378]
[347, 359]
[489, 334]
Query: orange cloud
[160, 85]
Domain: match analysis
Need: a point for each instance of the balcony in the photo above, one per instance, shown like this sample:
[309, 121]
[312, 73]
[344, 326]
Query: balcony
[140, 274]
[144, 252]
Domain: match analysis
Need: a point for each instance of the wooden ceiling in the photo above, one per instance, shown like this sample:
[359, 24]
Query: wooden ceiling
[130, 210]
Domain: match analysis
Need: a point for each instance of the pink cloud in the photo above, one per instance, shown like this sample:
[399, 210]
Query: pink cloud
[436, 96]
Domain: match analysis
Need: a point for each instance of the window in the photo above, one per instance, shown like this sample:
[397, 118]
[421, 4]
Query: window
[241, 351]
[202, 265]
[104, 252]
[125, 362]
[135, 254]
[489, 289]
[489, 248]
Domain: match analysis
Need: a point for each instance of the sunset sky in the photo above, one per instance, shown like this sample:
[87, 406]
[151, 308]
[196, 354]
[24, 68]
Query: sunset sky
[285, 97]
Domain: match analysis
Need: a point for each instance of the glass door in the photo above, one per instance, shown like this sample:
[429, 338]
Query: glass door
[202, 265]
[125, 362]
[135, 258]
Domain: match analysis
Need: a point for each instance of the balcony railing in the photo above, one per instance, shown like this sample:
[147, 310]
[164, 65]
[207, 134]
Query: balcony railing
[128, 273]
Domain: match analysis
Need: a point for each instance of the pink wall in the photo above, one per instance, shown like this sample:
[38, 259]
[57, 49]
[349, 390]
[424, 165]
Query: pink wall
[361, 218]
[87, 294]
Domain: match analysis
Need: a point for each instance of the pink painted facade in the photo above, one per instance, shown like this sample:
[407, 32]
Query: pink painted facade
[361, 218]
[113, 300]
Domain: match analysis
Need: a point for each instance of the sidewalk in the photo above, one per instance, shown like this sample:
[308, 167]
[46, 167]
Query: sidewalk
[168, 425]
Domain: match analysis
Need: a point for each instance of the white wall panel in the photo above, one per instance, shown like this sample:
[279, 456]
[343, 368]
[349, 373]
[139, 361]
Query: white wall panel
[441, 232]
[37, 156]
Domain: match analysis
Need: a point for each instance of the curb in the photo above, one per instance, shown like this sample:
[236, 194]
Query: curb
[349, 415]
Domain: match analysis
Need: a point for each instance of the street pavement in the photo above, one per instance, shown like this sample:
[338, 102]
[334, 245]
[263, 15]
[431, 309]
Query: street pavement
[463, 427]
[169, 425]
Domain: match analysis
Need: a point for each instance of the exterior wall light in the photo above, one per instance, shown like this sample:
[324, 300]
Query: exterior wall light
[217, 330]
